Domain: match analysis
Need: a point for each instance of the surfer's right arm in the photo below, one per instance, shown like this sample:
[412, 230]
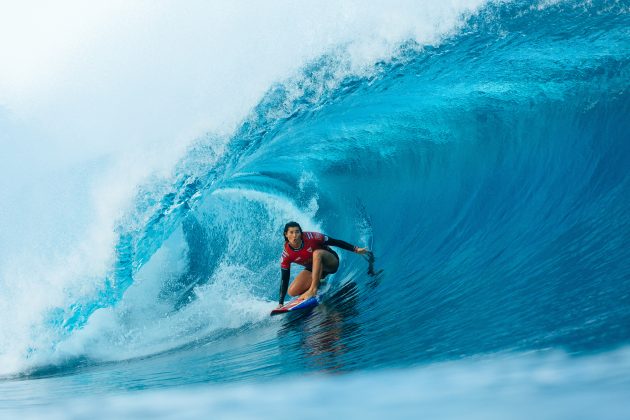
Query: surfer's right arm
[285, 269]
[284, 285]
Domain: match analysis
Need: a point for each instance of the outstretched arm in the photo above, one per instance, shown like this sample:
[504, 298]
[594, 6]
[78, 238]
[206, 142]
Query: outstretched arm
[345, 245]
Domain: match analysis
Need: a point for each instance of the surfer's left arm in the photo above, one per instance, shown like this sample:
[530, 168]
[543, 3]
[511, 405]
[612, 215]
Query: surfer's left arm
[344, 245]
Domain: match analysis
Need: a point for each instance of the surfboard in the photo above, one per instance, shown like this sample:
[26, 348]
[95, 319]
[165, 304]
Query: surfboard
[297, 305]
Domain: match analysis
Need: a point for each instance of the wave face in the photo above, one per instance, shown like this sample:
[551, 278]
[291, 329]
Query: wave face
[489, 174]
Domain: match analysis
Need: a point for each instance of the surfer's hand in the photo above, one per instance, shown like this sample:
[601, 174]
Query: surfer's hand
[307, 295]
[362, 251]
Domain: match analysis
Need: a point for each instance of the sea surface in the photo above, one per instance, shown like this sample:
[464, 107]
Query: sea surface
[486, 162]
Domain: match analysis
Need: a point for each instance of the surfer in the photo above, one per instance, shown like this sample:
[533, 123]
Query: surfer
[311, 250]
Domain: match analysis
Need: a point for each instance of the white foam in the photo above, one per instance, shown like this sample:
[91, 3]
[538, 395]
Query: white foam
[515, 386]
[144, 324]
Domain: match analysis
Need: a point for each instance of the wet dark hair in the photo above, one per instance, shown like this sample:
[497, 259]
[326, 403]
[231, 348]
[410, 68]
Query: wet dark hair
[290, 225]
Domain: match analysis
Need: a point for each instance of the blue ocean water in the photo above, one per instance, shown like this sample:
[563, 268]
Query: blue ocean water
[489, 174]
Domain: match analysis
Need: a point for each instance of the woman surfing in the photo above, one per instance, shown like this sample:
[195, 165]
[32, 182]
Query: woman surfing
[311, 250]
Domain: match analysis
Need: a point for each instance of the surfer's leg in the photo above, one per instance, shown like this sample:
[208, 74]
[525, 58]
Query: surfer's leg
[323, 261]
[301, 283]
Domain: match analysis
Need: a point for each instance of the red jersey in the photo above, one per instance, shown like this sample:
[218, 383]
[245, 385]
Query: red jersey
[303, 256]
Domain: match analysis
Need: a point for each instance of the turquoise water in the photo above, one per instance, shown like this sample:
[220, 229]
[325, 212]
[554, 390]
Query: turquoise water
[489, 174]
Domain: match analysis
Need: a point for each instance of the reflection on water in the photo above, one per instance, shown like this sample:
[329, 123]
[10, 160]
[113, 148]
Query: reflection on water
[326, 334]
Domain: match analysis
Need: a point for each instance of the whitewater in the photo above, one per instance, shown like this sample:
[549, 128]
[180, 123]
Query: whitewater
[152, 152]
